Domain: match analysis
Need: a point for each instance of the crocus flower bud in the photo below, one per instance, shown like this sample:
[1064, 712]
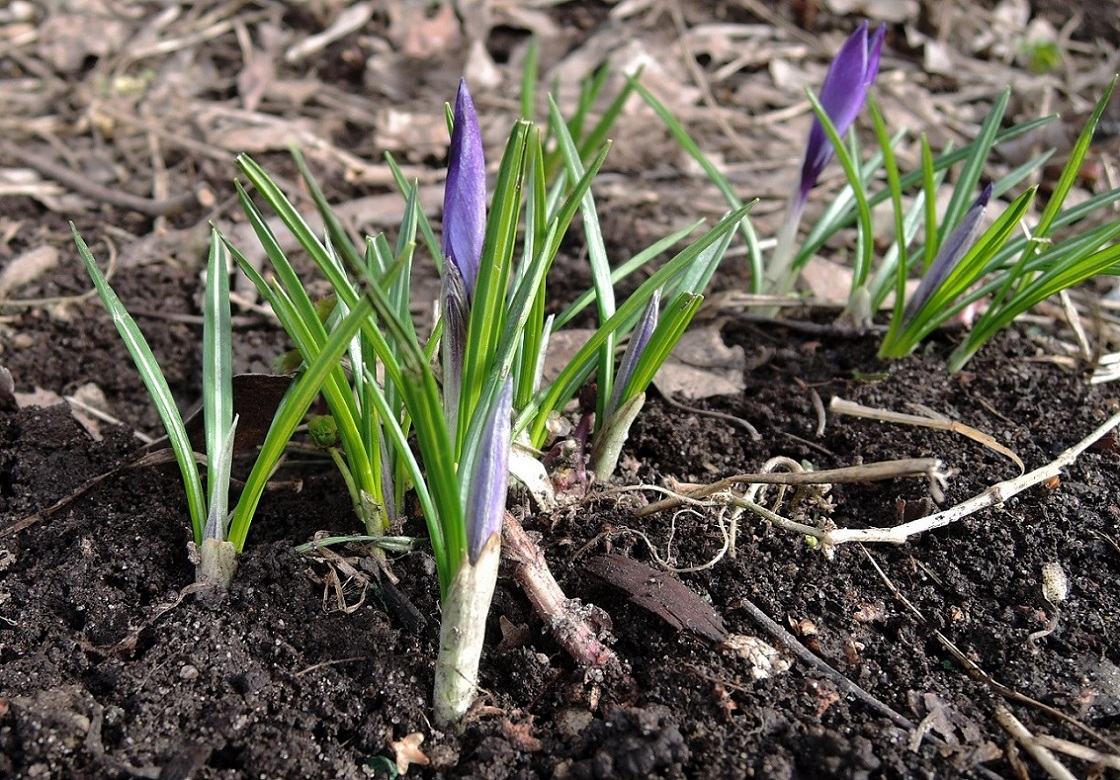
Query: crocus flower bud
[464, 196]
[842, 96]
[639, 340]
[954, 249]
[486, 498]
[453, 345]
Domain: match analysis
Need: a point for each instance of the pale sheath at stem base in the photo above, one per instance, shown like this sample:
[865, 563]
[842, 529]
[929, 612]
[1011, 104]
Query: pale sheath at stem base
[461, 634]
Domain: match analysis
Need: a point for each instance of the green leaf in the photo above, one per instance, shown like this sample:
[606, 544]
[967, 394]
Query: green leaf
[684, 140]
[969, 177]
[488, 307]
[535, 416]
[158, 390]
[217, 381]
[596, 255]
[289, 415]
[862, 260]
[670, 328]
[335, 229]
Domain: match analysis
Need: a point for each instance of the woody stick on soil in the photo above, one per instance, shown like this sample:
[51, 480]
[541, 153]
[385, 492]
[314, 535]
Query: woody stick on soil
[578, 628]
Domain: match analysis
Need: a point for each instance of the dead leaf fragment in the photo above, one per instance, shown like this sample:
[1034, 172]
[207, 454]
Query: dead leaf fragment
[408, 752]
[39, 397]
[92, 30]
[417, 35]
[26, 268]
[661, 593]
[87, 405]
[702, 366]
[897, 11]
[520, 735]
[351, 20]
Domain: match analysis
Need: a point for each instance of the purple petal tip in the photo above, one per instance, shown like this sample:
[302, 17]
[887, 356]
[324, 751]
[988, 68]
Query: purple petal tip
[464, 197]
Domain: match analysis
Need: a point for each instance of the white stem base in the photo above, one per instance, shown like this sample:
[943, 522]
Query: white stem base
[217, 563]
[462, 633]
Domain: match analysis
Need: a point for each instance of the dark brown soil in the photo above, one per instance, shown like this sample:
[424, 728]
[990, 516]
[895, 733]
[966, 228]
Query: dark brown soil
[107, 673]
[109, 669]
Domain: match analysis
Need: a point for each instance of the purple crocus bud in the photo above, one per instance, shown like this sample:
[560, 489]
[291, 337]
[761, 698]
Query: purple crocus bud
[464, 195]
[453, 345]
[842, 97]
[956, 246]
[486, 496]
[639, 339]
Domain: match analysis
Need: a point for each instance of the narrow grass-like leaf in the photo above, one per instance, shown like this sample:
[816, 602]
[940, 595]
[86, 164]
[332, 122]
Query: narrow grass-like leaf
[640, 260]
[596, 255]
[529, 76]
[301, 321]
[930, 183]
[1106, 260]
[430, 240]
[894, 186]
[846, 216]
[695, 279]
[671, 326]
[157, 387]
[684, 140]
[535, 416]
[1073, 166]
[536, 233]
[288, 416]
[217, 380]
[971, 268]
[599, 134]
[294, 221]
[969, 177]
[488, 307]
[413, 376]
[334, 227]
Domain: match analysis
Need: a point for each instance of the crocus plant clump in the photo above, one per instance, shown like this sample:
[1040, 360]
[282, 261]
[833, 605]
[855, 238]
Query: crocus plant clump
[467, 601]
[993, 271]
[396, 420]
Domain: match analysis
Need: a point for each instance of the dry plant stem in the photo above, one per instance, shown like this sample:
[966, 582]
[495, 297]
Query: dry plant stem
[802, 653]
[978, 674]
[869, 472]
[840, 406]
[993, 496]
[843, 683]
[1044, 757]
[1074, 320]
[569, 626]
[1077, 750]
[799, 650]
[83, 186]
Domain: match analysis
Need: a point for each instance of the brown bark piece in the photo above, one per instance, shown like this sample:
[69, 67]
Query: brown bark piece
[661, 593]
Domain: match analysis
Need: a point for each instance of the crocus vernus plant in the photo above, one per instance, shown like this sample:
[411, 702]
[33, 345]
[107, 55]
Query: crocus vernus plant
[1011, 272]
[1016, 263]
[952, 251]
[842, 96]
[446, 431]
[218, 534]
[208, 508]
